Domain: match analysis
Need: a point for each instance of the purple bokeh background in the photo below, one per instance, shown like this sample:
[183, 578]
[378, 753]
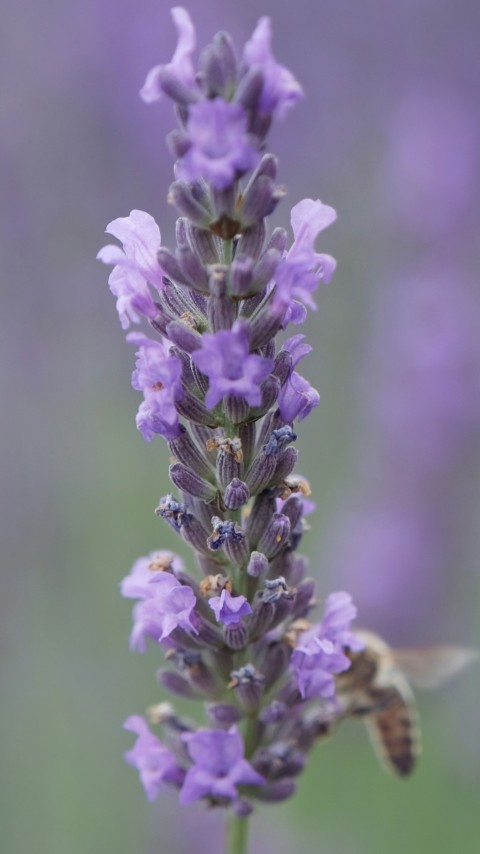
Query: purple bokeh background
[389, 134]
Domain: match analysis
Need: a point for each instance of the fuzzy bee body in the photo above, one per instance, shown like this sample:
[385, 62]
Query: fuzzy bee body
[375, 689]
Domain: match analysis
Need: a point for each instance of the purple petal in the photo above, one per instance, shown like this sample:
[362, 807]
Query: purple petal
[181, 67]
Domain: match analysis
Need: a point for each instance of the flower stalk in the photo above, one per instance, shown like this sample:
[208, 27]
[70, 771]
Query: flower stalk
[237, 842]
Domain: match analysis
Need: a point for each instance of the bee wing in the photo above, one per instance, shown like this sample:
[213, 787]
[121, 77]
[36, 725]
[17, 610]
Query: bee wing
[395, 731]
[433, 666]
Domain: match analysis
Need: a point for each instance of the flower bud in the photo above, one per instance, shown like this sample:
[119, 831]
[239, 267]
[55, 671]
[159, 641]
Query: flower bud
[193, 410]
[261, 619]
[248, 686]
[236, 636]
[241, 277]
[251, 242]
[267, 166]
[242, 808]
[260, 199]
[195, 535]
[260, 472]
[257, 565]
[270, 390]
[238, 550]
[188, 453]
[236, 409]
[293, 508]
[184, 336]
[249, 89]
[286, 463]
[278, 761]
[199, 675]
[223, 714]
[304, 599]
[283, 366]
[180, 194]
[221, 309]
[274, 713]
[275, 537]
[265, 324]
[178, 143]
[191, 483]
[225, 205]
[177, 684]
[260, 517]
[236, 494]
[209, 634]
[219, 67]
[170, 265]
[172, 85]
[192, 269]
[229, 467]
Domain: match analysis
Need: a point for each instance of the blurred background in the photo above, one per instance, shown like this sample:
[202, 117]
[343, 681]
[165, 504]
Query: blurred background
[389, 135]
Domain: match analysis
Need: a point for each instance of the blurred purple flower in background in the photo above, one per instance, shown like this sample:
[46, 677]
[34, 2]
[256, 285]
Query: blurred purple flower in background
[421, 429]
[431, 162]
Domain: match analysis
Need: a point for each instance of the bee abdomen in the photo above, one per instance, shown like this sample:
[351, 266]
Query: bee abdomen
[396, 737]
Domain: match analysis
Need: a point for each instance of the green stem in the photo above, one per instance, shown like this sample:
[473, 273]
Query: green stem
[250, 736]
[228, 251]
[237, 841]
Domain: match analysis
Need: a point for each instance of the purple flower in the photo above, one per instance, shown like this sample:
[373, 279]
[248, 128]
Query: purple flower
[219, 766]
[154, 762]
[135, 266]
[280, 90]
[315, 662]
[339, 613]
[229, 609]
[170, 607]
[158, 376]
[219, 144]
[224, 358]
[320, 651]
[298, 274]
[140, 583]
[297, 397]
[181, 70]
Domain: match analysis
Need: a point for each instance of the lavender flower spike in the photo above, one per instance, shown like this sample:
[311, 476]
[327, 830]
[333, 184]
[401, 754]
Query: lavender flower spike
[235, 623]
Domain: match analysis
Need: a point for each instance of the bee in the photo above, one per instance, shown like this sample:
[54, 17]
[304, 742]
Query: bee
[376, 688]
